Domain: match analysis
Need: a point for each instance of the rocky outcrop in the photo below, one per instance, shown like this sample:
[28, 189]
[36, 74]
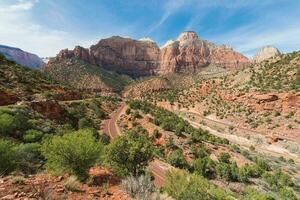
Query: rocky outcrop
[49, 109]
[8, 98]
[265, 53]
[21, 57]
[189, 53]
[142, 57]
[123, 55]
[226, 57]
[153, 85]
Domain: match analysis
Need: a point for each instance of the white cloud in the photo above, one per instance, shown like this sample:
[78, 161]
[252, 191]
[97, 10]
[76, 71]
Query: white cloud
[21, 5]
[19, 29]
[283, 34]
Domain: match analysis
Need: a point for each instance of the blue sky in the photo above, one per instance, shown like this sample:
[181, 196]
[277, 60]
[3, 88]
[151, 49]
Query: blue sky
[46, 26]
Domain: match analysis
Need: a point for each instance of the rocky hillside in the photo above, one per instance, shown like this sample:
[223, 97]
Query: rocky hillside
[85, 76]
[263, 97]
[20, 83]
[142, 57]
[21, 57]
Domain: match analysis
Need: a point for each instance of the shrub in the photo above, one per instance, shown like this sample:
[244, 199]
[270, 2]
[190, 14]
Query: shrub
[8, 157]
[288, 194]
[224, 157]
[182, 186]
[130, 153]
[28, 157]
[18, 180]
[177, 159]
[138, 187]
[104, 139]
[85, 123]
[73, 153]
[204, 167]
[72, 184]
[199, 152]
[7, 124]
[252, 194]
[32, 136]
[227, 171]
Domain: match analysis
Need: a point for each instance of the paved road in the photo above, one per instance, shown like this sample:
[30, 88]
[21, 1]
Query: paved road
[110, 125]
[158, 168]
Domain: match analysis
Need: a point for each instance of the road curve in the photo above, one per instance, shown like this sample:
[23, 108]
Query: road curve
[158, 168]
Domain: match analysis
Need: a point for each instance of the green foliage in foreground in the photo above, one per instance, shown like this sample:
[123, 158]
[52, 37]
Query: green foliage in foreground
[73, 153]
[7, 157]
[182, 186]
[130, 153]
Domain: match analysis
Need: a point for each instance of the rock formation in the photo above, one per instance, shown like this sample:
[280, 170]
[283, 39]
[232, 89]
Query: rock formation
[189, 53]
[142, 57]
[124, 55]
[265, 53]
[21, 57]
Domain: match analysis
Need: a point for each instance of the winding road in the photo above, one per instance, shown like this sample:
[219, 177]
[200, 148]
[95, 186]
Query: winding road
[157, 167]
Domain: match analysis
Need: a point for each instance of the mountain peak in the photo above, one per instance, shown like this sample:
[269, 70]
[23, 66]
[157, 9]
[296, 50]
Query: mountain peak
[187, 36]
[265, 53]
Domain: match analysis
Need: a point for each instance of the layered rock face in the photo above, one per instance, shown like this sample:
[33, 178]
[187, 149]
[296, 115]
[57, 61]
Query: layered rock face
[21, 57]
[226, 57]
[124, 55]
[265, 53]
[187, 54]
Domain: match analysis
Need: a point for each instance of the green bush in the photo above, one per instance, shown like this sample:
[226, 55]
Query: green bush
[278, 180]
[85, 123]
[183, 186]
[228, 171]
[73, 153]
[7, 157]
[204, 167]
[252, 194]
[130, 153]
[177, 159]
[29, 157]
[32, 136]
[7, 124]
[224, 157]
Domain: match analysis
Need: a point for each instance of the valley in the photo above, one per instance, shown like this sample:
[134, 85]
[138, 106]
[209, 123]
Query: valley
[125, 119]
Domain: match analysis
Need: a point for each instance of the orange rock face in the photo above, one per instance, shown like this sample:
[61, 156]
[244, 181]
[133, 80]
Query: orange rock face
[187, 54]
[7, 98]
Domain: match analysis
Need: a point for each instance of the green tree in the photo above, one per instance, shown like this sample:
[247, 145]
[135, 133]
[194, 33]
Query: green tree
[73, 153]
[85, 123]
[177, 159]
[130, 153]
[204, 167]
[7, 124]
[7, 157]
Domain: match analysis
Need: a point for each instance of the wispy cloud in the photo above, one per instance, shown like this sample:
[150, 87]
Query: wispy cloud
[170, 7]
